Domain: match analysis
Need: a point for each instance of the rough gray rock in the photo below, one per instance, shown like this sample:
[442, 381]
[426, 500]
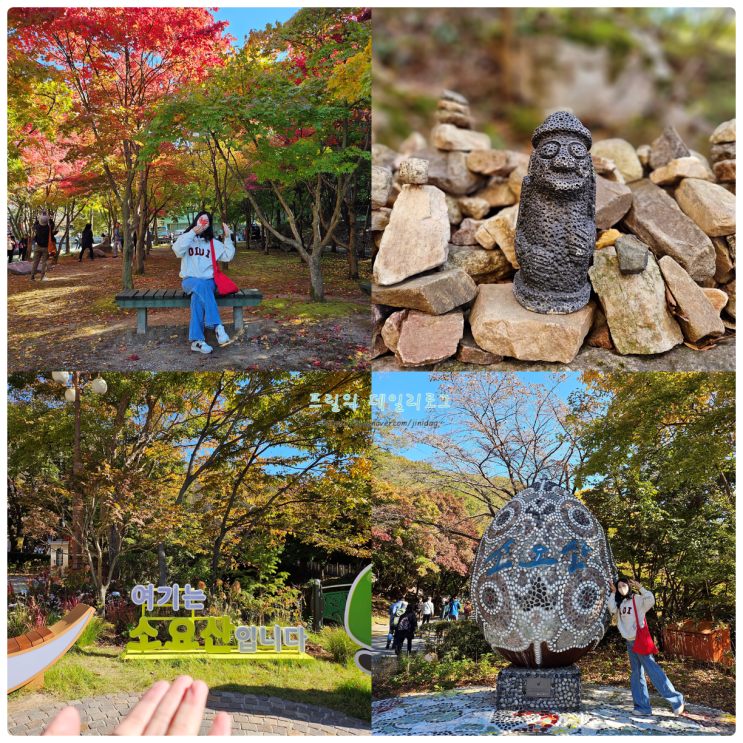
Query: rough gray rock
[413, 170]
[613, 201]
[658, 221]
[632, 254]
[449, 171]
[381, 186]
[669, 146]
[435, 294]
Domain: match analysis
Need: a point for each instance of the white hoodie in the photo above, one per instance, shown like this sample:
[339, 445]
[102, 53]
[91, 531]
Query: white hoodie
[196, 255]
[627, 621]
[427, 607]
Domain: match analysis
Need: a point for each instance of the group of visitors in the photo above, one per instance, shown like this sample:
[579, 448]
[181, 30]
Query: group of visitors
[405, 617]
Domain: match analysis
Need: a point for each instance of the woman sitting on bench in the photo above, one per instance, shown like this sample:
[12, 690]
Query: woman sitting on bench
[194, 248]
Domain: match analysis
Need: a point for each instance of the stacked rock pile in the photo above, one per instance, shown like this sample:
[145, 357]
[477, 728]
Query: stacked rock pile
[444, 219]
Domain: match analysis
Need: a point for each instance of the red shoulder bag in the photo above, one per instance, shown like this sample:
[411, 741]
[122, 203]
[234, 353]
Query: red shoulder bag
[644, 644]
[225, 285]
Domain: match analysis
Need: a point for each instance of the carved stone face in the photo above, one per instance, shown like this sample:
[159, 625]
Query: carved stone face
[561, 163]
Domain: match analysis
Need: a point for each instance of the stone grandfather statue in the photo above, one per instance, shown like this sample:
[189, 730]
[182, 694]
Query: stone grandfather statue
[556, 228]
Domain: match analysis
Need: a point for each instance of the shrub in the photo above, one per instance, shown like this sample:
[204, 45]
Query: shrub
[459, 641]
[338, 644]
[93, 630]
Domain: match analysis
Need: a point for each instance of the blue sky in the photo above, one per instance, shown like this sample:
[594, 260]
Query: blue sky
[244, 20]
[416, 382]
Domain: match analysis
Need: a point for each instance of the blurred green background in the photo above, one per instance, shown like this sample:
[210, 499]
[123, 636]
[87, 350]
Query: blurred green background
[625, 72]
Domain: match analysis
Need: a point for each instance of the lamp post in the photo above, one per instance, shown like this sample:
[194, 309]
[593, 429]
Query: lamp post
[72, 394]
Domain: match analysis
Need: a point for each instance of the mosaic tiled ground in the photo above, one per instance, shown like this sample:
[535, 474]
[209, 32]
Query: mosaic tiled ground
[606, 710]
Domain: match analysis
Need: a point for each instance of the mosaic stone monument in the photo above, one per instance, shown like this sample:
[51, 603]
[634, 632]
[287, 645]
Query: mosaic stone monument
[556, 228]
[539, 588]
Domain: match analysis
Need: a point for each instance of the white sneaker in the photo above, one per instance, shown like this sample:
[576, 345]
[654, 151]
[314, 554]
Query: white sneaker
[43, 278]
[679, 711]
[222, 338]
[201, 347]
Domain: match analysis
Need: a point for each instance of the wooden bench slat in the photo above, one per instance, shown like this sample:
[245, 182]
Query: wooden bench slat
[13, 646]
[170, 293]
[45, 633]
[34, 637]
[23, 642]
[150, 293]
[179, 294]
[160, 293]
[126, 293]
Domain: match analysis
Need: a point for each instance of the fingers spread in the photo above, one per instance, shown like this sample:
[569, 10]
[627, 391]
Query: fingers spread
[138, 718]
[67, 722]
[188, 717]
[168, 707]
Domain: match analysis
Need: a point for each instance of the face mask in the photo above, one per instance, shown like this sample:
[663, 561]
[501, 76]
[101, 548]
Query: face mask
[624, 590]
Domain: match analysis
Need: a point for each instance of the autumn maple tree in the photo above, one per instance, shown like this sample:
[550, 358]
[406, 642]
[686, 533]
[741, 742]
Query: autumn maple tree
[120, 64]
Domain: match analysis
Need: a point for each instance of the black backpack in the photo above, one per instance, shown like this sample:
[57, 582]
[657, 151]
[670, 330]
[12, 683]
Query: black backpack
[404, 624]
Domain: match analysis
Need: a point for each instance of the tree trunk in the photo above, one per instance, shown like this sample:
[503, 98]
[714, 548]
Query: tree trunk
[162, 567]
[316, 287]
[248, 224]
[353, 265]
[142, 221]
[126, 262]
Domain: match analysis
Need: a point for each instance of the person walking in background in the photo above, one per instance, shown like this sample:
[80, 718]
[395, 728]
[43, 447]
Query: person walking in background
[445, 611]
[22, 248]
[631, 610]
[426, 612]
[467, 610]
[43, 231]
[11, 247]
[392, 613]
[454, 609]
[117, 240]
[86, 242]
[405, 630]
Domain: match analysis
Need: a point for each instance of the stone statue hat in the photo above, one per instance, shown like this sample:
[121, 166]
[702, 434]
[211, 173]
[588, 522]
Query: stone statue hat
[561, 121]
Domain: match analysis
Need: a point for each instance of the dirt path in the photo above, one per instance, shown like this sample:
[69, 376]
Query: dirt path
[72, 320]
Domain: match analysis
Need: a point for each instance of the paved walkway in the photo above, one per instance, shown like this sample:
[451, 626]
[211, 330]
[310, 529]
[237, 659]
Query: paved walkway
[252, 714]
[605, 710]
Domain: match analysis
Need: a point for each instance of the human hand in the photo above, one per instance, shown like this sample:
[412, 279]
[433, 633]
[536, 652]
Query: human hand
[199, 228]
[227, 231]
[635, 584]
[165, 709]
[613, 587]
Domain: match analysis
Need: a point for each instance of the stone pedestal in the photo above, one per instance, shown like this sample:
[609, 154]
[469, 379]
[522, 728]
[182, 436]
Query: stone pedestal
[539, 689]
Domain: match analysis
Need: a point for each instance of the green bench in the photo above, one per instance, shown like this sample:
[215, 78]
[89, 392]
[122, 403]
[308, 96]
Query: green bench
[144, 299]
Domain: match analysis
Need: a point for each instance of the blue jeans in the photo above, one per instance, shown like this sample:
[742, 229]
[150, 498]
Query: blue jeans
[204, 310]
[640, 665]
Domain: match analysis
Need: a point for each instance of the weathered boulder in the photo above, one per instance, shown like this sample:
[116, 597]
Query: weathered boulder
[725, 171]
[497, 193]
[624, 156]
[496, 162]
[710, 206]
[702, 318]
[413, 170]
[451, 112]
[658, 221]
[435, 294]
[516, 178]
[379, 314]
[392, 327]
[380, 218]
[682, 167]
[643, 155]
[722, 151]
[448, 171]
[449, 137]
[729, 289]
[669, 146]
[500, 230]
[632, 254]
[470, 353]
[613, 201]
[455, 213]
[417, 237]
[718, 298]
[725, 132]
[426, 339]
[484, 266]
[724, 265]
[381, 186]
[473, 206]
[411, 143]
[606, 168]
[634, 305]
[383, 156]
[503, 327]
[389, 363]
[465, 235]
